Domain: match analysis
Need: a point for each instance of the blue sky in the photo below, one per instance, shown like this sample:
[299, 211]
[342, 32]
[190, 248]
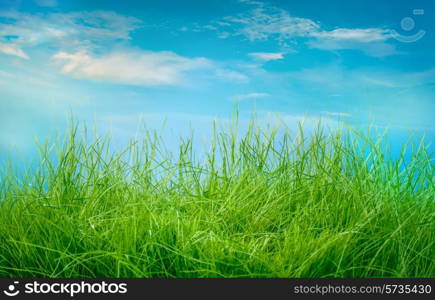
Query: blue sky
[114, 62]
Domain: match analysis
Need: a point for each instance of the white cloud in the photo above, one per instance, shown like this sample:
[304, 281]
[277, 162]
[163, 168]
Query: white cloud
[12, 49]
[64, 30]
[357, 35]
[267, 56]
[391, 79]
[80, 38]
[375, 49]
[210, 27]
[224, 35]
[134, 68]
[249, 96]
[265, 22]
[371, 41]
[231, 75]
[46, 3]
[332, 76]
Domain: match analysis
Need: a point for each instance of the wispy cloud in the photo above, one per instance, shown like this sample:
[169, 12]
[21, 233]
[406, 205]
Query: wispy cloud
[131, 67]
[12, 49]
[393, 79]
[356, 35]
[265, 22]
[267, 56]
[371, 41]
[63, 30]
[249, 96]
[81, 43]
[363, 83]
[374, 49]
[231, 75]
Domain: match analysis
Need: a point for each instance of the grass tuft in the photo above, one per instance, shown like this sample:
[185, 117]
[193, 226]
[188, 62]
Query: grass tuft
[265, 203]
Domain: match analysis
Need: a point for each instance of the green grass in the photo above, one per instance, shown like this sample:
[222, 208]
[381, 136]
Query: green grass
[263, 203]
